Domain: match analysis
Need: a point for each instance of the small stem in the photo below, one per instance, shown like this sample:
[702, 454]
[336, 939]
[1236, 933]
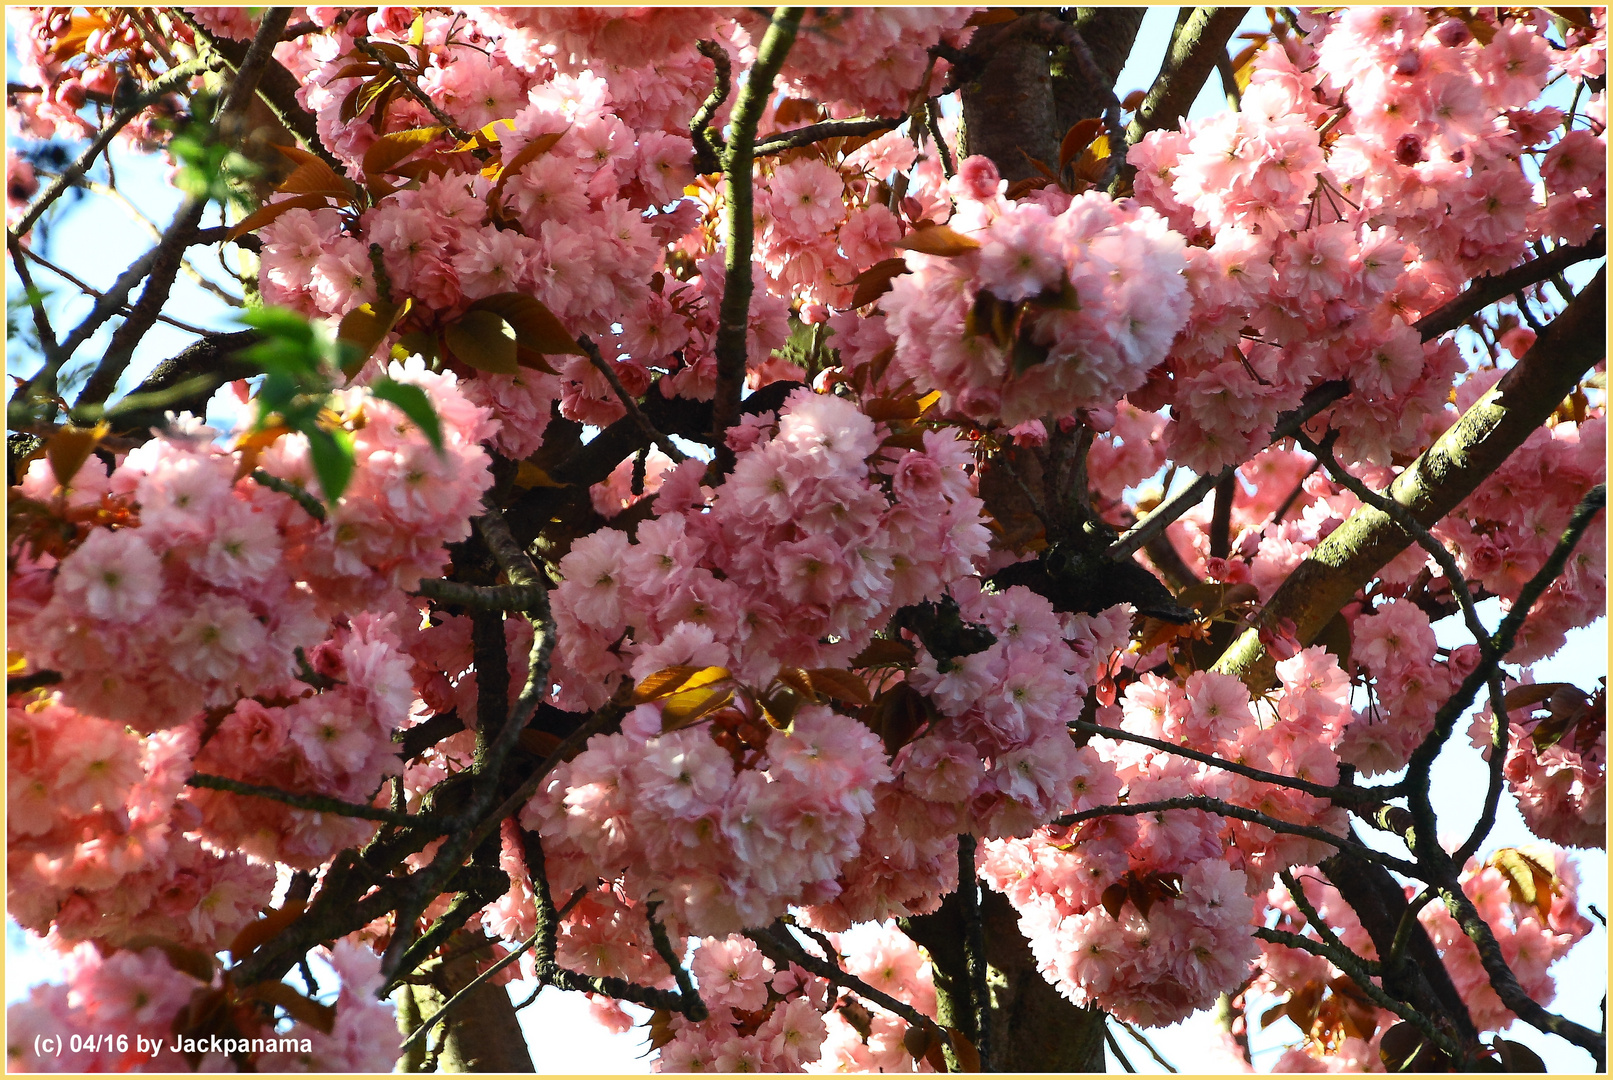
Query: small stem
[411, 88]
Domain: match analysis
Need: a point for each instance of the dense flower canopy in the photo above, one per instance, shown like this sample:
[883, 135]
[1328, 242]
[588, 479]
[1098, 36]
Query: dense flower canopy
[697, 504]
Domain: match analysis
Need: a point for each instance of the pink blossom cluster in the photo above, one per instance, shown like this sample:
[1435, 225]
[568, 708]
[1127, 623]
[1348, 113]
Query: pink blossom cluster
[672, 818]
[188, 607]
[1509, 526]
[1560, 781]
[1196, 870]
[805, 551]
[1396, 646]
[405, 499]
[364, 1035]
[100, 843]
[1532, 937]
[880, 55]
[1102, 288]
[1314, 254]
[127, 992]
[1000, 747]
[887, 960]
[336, 743]
[763, 1019]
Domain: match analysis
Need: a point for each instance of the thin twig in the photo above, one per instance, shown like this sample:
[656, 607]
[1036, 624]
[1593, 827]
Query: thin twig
[305, 498]
[1316, 399]
[1140, 1037]
[321, 803]
[668, 447]
[1345, 962]
[1226, 809]
[1114, 1048]
[411, 88]
[166, 83]
[777, 945]
[89, 290]
[829, 129]
[1482, 292]
[1340, 794]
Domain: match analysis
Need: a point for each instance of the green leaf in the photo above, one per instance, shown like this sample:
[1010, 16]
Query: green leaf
[364, 327]
[484, 341]
[279, 322]
[535, 326]
[415, 405]
[332, 453]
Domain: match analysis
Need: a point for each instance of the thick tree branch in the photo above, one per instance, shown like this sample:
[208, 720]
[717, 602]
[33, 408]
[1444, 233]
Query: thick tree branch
[1433, 485]
[1187, 65]
[739, 226]
[1482, 292]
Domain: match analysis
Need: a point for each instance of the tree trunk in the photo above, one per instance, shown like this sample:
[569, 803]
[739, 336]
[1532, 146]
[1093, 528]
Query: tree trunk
[1109, 33]
[484, 1034]
[1008, 112]
[1033, 1027]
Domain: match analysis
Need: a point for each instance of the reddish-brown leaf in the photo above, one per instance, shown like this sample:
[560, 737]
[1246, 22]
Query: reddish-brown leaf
[938, 240]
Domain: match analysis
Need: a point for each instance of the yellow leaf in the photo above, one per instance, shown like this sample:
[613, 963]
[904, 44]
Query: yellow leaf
[1094, 159]
[542, 144]
[16, 662]
[927, 400]
[671, 680]
[528, 475]
[484, 341]
[938, 240]
[1528, 880]
[688, 707]
[70, 447]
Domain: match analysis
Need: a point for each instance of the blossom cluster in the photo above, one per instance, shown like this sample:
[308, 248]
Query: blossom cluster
[1065, 304]
[806, 550]
[1150, 915]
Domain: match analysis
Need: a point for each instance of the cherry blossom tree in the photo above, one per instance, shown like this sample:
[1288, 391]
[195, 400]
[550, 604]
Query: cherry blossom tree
[702, 480]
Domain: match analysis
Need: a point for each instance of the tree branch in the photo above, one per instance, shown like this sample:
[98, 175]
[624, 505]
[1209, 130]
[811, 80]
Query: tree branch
[1342, 795]
[167, 83]
[733, 321]
[634, 413]
[320, 803]
[829, 129]
[1315, 400]
[1226, 809]
[1433, 485]
[1187, 65]
[1482, 292]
